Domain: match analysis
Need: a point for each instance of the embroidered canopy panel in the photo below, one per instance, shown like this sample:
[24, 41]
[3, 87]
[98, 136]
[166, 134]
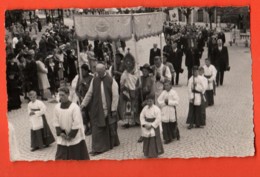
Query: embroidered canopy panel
[114, 27]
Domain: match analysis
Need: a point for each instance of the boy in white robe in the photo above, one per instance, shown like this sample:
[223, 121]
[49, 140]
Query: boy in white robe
[195, 89]
[162, 74]
[168, 100]
[210, 72]
[150, 119]
[69, 127]
[41, 135]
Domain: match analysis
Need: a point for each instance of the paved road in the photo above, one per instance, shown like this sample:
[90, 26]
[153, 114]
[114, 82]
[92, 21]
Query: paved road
[229, 129]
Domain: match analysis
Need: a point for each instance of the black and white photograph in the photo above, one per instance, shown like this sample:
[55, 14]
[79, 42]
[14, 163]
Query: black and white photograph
[129, 83]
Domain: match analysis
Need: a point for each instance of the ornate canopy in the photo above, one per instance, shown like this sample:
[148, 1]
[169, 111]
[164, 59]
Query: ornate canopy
[119, 26]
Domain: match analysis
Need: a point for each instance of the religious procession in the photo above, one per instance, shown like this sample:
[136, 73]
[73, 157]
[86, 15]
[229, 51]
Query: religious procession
[97, 85]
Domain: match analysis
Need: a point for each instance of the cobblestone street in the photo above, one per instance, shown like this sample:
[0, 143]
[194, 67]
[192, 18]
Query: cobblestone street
[229, 123]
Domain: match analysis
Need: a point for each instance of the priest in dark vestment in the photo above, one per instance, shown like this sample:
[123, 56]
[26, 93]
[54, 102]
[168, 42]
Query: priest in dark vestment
[69, 127]
[13, 77]
[102, 97]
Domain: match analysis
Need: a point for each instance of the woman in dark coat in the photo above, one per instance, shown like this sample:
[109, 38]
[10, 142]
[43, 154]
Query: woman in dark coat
[13, 85]
[72, 71]
[52, 74]
[39, 25]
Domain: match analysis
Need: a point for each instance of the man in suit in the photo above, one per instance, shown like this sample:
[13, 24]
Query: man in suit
[221, 61]
[153, 53]
[175, 57]
[167, 48]
[192, 56]
[222, 36]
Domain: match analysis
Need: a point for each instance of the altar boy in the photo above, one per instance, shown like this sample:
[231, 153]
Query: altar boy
[168, 100]
[41, 135]
[150, 119]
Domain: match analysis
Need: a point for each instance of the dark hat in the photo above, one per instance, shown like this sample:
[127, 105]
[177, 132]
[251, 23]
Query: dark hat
[129, 56]
[147, 67]
[120, 55]
[85, 67]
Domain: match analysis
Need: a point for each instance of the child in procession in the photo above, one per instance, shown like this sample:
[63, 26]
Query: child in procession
[168, 100]
[150, 119]
[41, 135]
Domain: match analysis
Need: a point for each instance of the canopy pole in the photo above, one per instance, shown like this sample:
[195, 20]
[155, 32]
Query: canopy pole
[161, 47]
[161, 40]
[139, 76]
[114, 56]
[80, 72]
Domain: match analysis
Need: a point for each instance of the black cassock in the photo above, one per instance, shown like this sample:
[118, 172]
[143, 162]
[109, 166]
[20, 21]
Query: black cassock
[13, 86]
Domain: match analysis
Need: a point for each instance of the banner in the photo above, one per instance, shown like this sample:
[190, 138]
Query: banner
[103, 27]
[147, 25]
[174, 15]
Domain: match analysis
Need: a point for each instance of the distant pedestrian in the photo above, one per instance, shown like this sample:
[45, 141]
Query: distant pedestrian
[154, 52]
[39, 23]
[221, 61]
[42, 74]
[41, 135]
[35, 26]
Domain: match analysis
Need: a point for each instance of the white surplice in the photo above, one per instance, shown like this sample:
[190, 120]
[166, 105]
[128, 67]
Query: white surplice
[150, 113]
[69, 119]
[199, 88]
[39, 109]
[212, 72]
[168, 111]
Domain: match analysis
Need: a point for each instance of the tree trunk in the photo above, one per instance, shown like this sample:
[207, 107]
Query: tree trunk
[187, 18]
[210, 20]
[52, 16]
[34, 14]
[62, 16]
